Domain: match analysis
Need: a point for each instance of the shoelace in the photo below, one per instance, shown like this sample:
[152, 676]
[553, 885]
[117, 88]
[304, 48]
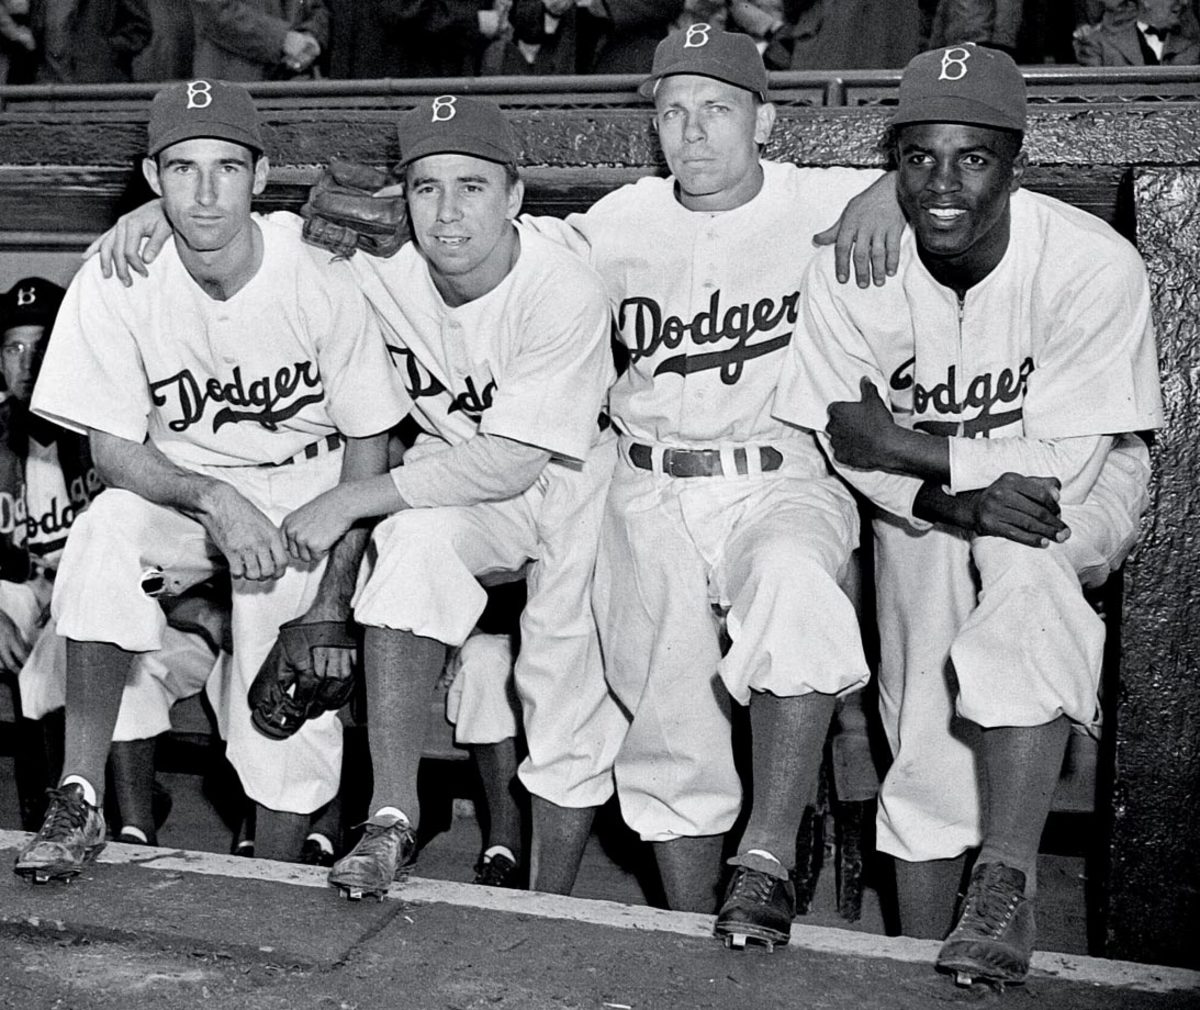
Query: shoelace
[753, 884]
[991, 905]
[67, 812]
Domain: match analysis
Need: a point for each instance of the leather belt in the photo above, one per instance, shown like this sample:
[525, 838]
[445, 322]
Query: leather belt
[703, 462]
[330, 443]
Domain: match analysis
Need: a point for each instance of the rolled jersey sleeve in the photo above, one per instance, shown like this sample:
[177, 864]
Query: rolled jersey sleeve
[92, 376]
[1097, 372]
[826, 359]
[553, 389]
[483, 468]
[364, 392]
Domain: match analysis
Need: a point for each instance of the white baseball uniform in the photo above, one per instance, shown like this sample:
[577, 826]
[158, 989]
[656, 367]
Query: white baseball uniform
[253, 391]
[1039, 370]
[529, 361]
[706, 304]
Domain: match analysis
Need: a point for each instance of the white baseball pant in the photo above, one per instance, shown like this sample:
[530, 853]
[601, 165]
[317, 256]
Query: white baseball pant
[423, 578]
[984, 632]
[768, 548]
[98, 598]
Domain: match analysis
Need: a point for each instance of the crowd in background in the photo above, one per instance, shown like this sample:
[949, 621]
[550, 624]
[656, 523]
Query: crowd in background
[102, 41]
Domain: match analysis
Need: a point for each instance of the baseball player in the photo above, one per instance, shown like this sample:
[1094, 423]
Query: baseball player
[49, 482]
[991, 390]
[504, 344]
[54, 480]
[251, 377]
[713, 501]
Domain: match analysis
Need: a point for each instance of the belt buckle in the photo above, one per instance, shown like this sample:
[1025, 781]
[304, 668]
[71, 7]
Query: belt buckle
[691, 463]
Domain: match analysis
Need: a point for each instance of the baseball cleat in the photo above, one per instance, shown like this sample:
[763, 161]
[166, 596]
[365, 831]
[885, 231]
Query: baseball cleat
[758, 908]
[72, 835]
[497, 870]
[993, 939]
[384, 852]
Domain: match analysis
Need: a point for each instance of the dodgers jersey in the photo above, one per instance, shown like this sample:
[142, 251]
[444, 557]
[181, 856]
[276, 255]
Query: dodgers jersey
[1055, 343]
[529, 360]
[293, 356]
[706, 302]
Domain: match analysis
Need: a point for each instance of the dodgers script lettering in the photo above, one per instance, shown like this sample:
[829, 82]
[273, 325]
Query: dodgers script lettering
[647, 331]
[265, 395]
[953, 397]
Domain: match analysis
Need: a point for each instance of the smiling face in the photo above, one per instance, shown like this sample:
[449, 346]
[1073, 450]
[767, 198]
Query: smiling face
[710, 133]
[207, 186]
[954, 184]
[461, 210]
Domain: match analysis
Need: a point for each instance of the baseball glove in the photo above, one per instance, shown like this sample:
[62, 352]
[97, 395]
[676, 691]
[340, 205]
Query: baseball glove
[341, 214]
[288, 690]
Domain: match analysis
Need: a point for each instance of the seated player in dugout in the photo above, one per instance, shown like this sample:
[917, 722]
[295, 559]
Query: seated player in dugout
[713, 501]
[244, 377]
[987, 402]
[504, 343]
[48, 482]
[749, 199]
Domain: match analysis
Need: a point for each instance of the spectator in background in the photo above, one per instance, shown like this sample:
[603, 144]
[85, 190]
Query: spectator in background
[620, 36]
[994, 23]
[168, 57]
[544, 38]
[363, 42]
[1135, 33]
[88, 41]
[258, 40]
[18, 64]
[831, 34]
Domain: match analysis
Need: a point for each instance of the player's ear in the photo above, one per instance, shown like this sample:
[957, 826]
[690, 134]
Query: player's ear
[262, 168]
[150, 172]
[516, 195]
[764, 122]
[1020, 163]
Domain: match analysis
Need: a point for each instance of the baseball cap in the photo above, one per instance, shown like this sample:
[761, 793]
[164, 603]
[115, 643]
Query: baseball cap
[705, 50]
[33, 301]
[202, 108]
[962, 84]
[456, 124]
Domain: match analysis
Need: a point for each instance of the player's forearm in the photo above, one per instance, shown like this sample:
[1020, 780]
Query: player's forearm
[363, 459]
[917, 454]
[484, 468]
[934, 505]
[144, 470]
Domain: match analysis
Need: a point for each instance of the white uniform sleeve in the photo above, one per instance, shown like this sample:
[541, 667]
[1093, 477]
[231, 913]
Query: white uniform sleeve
[977, 462]
[92, 375]
[364, 392]
[553, 387]
[481, 469]
[572, 232]
[827, 357]
[1098, 373]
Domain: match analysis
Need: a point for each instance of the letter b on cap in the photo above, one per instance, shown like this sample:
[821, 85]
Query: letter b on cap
[26, 296]
[697, 36]
[954, 64]
[443, 109]
[199, 95]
